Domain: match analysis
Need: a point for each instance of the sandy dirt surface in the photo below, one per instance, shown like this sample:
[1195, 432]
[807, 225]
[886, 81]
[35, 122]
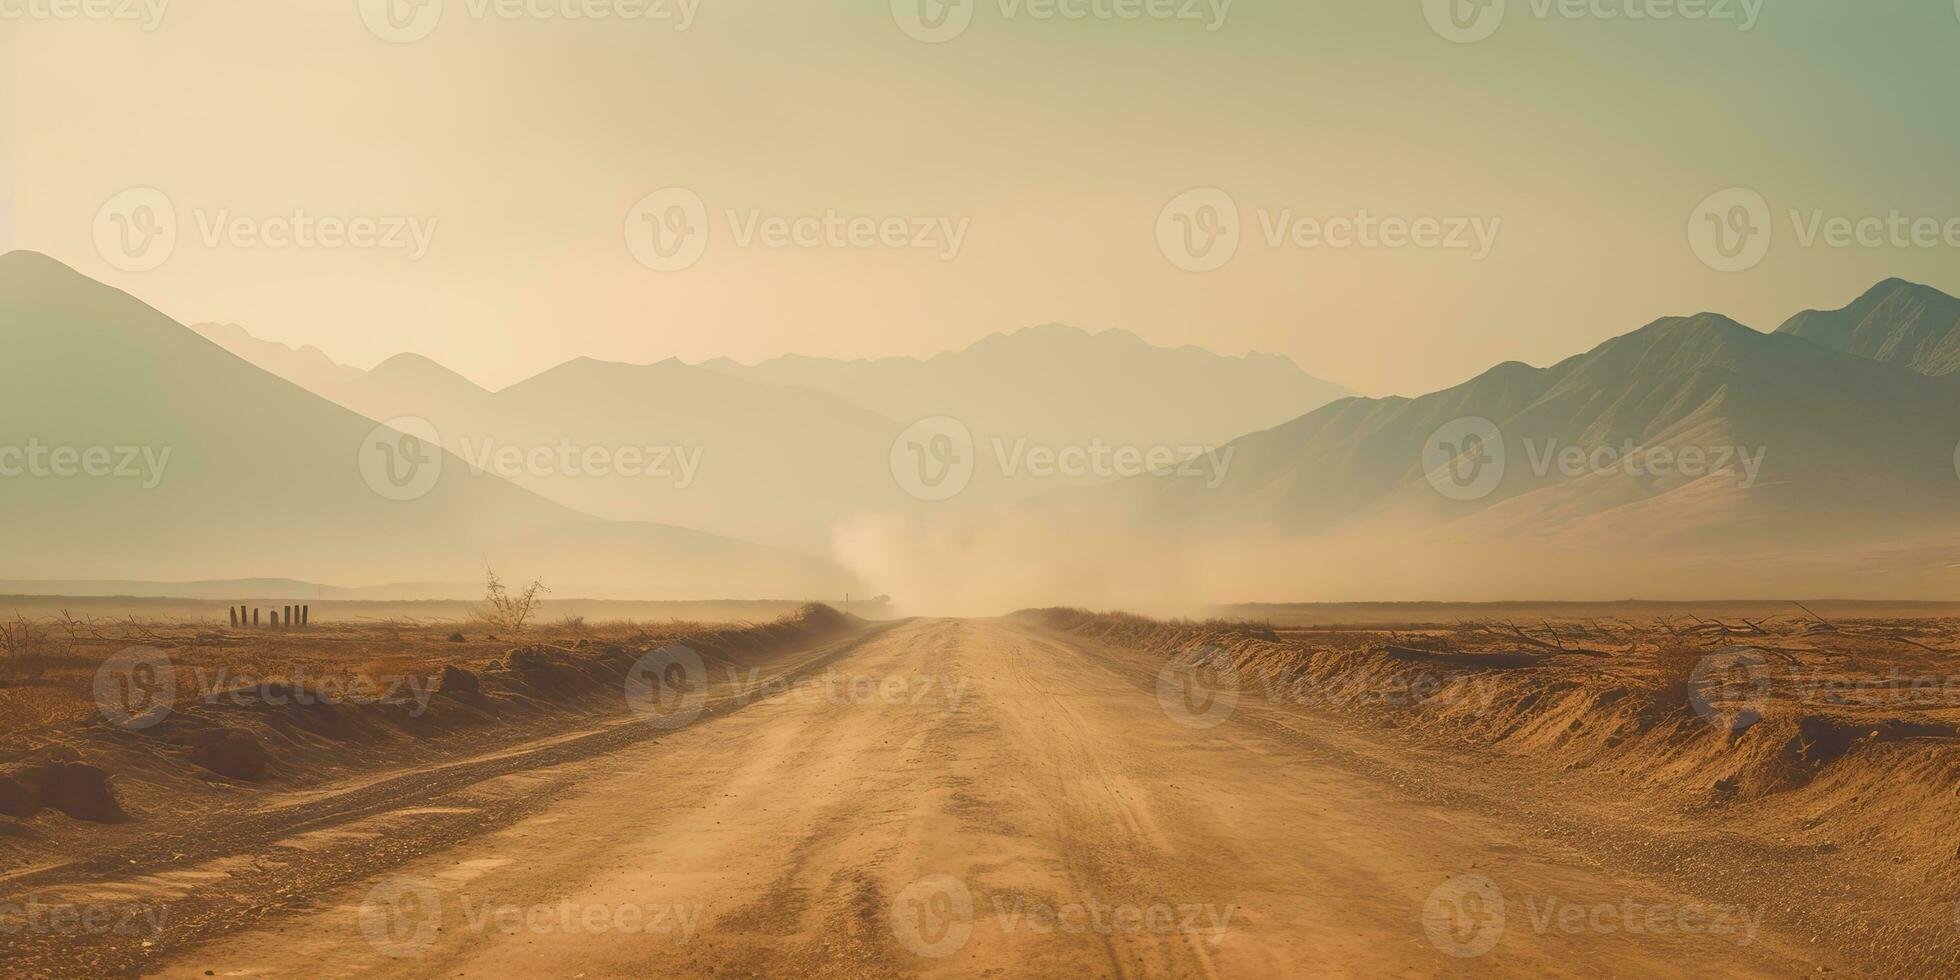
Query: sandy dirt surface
[967, 798]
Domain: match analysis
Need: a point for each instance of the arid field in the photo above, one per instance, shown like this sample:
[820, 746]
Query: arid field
[1049, 489]
[1748, 792]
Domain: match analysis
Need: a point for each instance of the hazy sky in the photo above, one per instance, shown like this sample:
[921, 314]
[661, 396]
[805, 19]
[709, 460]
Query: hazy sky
[1051, 145]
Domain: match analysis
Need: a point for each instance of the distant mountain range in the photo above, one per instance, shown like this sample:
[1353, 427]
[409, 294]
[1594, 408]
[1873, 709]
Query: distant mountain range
[202, 466]
[1059, 385]
[309, 367]
[1897, 322]
[1691, 456]
[1692, 436]
[768, 464]
[790, 448]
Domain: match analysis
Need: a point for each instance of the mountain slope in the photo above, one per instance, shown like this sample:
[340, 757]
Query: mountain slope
[1057, 385]
[1692, 457]
[737, 457]
[788, 452]
[1915, 327]
[257, 477]
[775, 465]
[1843, 448]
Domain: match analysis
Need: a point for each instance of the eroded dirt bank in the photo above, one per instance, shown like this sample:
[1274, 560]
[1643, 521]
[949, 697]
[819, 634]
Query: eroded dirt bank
[1802, 766]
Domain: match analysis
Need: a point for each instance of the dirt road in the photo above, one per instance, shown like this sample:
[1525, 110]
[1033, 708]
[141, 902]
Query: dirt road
[979, 798]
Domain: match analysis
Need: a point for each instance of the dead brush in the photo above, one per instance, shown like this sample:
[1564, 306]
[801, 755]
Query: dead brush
[510, 611]
[25, 647]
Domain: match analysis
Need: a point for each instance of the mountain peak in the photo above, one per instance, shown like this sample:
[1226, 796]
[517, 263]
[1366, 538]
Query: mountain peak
[22, 261]
[24, 270]
[1700, 325]
[1055, 329]
[415, 369]
[409, 361]
[1896, 321]
[1895, 285]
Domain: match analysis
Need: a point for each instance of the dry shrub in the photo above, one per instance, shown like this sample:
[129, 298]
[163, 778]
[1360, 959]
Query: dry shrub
[507, 610]
[25, 649]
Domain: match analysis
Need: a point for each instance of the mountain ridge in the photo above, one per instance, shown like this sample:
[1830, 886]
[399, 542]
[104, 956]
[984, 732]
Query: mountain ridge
[259, 474]
[1896, 321]
[1675, 382]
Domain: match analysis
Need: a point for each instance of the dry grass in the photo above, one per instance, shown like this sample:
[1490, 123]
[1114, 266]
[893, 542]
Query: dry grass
[48, 666]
